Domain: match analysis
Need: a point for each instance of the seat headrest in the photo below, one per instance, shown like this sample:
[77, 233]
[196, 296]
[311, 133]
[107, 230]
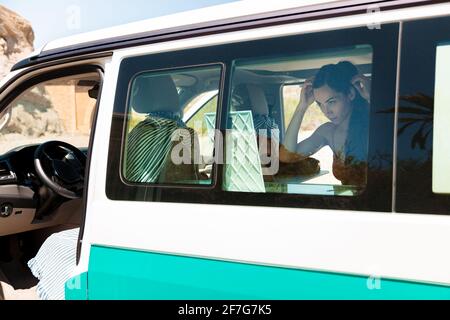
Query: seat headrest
[156, 93]
[251, 97]
[258, 100]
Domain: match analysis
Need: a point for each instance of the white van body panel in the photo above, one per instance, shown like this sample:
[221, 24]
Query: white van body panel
[370, 20]
[390, 245]
[374, 244]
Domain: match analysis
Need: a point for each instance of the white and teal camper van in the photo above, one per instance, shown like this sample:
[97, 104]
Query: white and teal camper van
[88, 142]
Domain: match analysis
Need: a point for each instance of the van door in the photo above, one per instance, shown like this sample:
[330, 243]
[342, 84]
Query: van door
[423, 176]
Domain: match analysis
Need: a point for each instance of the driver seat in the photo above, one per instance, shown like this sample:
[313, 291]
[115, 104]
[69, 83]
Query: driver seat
[149, 145]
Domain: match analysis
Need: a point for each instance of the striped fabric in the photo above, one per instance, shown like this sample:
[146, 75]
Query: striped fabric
[148, 149]
[54, 263]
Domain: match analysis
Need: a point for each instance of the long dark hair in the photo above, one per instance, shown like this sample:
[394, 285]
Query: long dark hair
[339, 78]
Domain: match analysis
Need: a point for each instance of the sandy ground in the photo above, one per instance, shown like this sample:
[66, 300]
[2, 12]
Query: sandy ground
[7, 292]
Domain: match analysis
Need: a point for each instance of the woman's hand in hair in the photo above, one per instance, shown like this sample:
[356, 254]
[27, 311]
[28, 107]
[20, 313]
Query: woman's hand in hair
[289, 143]
[307, 95]
[362, 85]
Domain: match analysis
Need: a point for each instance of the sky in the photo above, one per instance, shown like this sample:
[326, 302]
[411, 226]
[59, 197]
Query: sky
[55, 19]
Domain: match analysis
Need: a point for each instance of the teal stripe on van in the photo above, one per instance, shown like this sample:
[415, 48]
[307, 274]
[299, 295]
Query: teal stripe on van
[76, 288]
[125, 274]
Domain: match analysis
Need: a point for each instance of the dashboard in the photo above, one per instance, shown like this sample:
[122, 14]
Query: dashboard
[25, 202]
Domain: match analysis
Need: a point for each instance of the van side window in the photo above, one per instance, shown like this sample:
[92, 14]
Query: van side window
[422, 174]
[239, 103]
[320, 144]
[58, 109]
[162, 145]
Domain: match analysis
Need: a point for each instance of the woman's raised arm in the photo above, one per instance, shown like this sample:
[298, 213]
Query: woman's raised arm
[306, 99]
[309, 146]
[290, 149]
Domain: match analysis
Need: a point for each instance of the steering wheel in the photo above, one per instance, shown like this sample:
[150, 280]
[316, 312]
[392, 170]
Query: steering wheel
[60, 166]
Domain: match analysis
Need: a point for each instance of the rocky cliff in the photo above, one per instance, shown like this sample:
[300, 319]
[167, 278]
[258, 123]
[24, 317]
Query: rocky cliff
[16, 39]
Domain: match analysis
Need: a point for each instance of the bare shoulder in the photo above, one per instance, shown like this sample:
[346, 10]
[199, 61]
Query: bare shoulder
[326, 130]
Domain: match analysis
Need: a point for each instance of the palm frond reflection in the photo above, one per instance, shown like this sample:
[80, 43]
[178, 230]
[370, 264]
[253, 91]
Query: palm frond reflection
[419, 114]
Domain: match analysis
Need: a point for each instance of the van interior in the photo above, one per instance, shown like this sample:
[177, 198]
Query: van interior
[44, 146]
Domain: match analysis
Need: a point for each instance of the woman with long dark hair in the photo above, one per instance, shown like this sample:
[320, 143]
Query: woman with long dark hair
[343, 95]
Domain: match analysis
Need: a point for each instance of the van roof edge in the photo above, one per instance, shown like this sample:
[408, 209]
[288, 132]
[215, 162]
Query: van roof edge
[321, 9]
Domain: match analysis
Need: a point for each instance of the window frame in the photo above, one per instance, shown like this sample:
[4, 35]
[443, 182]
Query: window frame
[124, 131]
[384, 43]
[47, 76]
